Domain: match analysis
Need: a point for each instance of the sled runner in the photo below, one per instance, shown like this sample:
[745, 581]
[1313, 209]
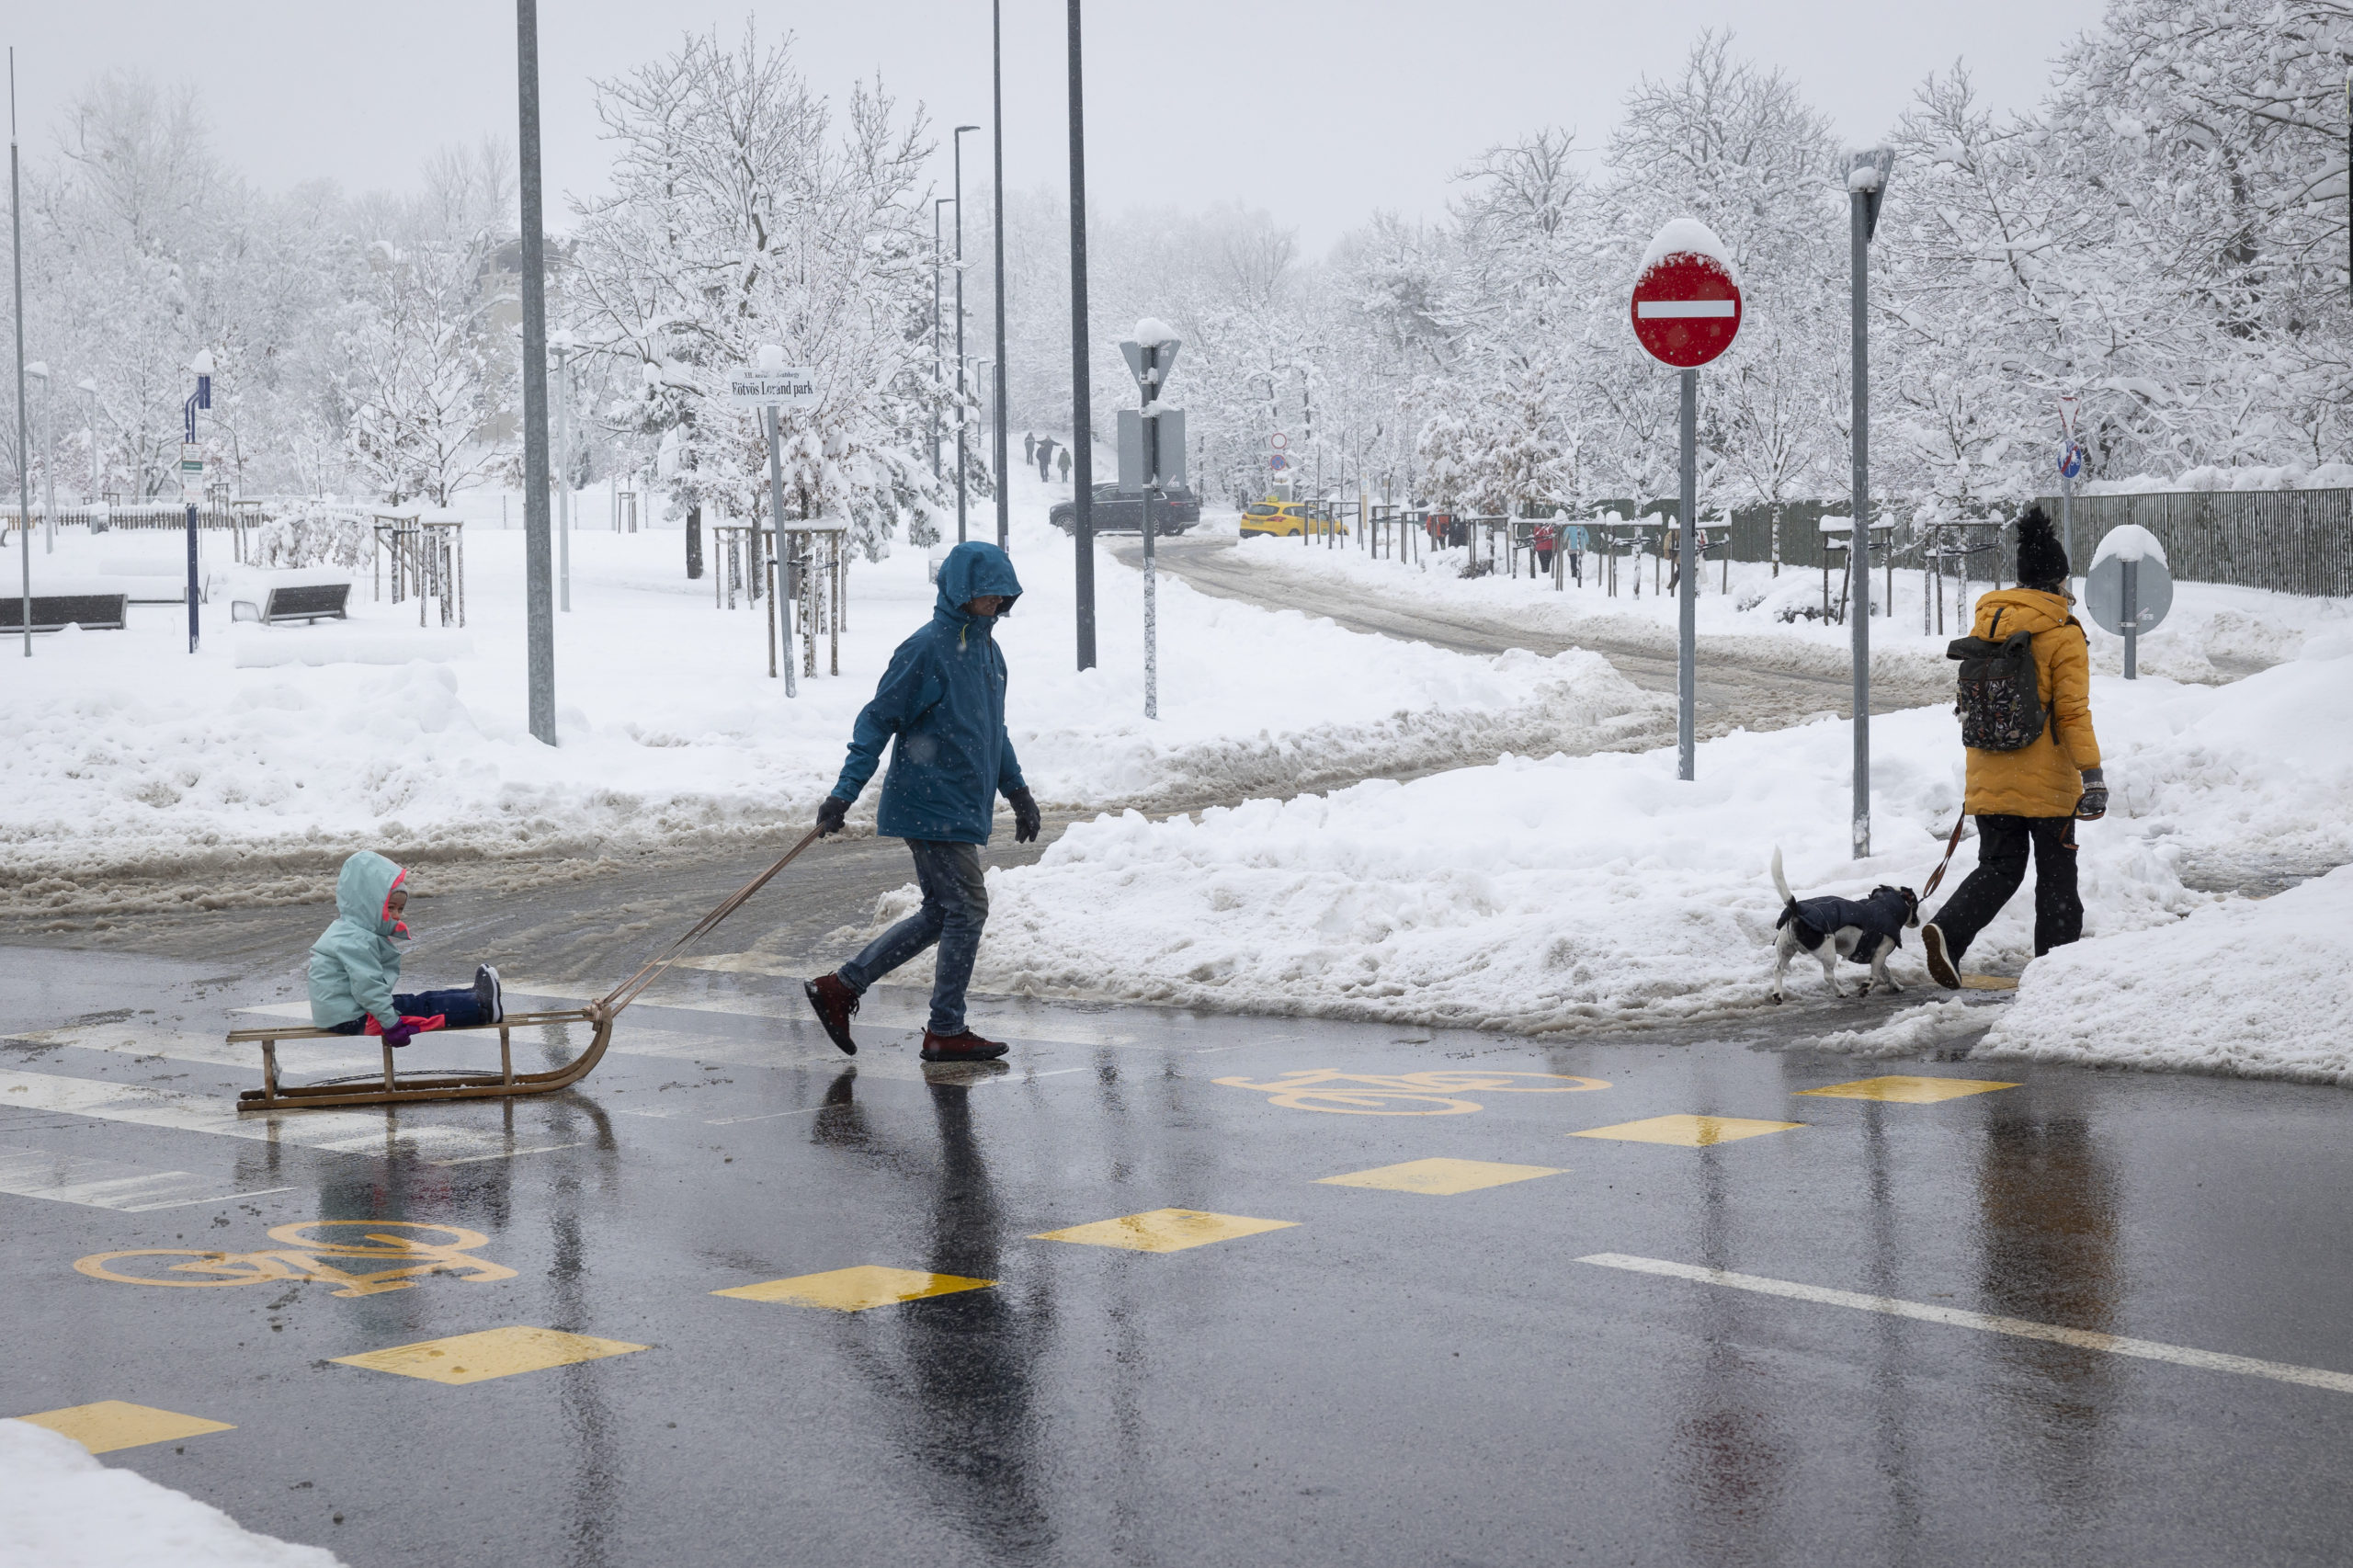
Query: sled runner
[391, 1088]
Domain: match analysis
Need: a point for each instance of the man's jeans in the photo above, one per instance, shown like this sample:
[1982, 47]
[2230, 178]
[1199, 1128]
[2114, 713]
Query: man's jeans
[955, 907]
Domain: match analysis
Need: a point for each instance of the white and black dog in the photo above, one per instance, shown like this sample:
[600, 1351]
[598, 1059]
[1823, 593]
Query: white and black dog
[1835, 928]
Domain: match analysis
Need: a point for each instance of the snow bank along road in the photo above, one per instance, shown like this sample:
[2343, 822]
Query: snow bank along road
[1652, 1300]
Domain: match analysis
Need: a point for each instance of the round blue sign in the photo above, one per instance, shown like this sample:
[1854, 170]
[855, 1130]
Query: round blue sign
[2071, 459]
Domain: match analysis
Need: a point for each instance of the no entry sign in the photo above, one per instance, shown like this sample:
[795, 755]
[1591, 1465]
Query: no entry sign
[1687, 302]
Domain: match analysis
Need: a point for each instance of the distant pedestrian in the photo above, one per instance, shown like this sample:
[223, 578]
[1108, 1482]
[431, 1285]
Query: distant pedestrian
[1541, 538]
[1065, 459]
[1045, 458]
[941, 709]
[1028, 448]
[1674, 551]
[2034, 764]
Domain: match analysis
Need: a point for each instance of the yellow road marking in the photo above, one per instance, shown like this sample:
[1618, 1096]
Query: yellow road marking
[1690, 1132]
[493, 1353]
[1901, 1090]
[111, 1424]
[855, 1289]
[411, 1244]
[1441, 1177]
[1164, 1229]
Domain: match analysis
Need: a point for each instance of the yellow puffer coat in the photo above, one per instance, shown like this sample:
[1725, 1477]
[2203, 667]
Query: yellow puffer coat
[2044, 779]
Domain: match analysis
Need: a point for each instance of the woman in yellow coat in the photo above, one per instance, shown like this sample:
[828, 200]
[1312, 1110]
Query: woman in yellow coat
[2031, 797]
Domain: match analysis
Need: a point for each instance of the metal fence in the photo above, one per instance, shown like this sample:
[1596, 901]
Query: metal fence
[2290, 541]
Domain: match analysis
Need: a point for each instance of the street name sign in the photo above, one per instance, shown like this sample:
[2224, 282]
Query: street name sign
[791, 386]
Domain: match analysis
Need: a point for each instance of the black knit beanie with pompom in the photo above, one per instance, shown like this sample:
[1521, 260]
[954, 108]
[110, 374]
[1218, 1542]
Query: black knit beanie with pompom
[2042, 561]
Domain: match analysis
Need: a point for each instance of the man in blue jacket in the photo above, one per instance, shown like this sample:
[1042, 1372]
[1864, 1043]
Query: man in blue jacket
[943, 698]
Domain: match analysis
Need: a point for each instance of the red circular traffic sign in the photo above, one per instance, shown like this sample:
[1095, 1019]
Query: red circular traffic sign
[1687, 305]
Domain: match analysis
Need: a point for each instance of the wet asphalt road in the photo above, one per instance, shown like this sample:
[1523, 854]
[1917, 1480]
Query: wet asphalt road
[1390, 1376]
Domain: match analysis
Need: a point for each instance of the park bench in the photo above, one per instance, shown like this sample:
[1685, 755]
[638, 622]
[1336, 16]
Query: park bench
[390, 1088]
[55, 612]
[309, 602]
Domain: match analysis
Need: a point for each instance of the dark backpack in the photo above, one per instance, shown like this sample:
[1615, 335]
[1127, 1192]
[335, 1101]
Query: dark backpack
[2000, 697]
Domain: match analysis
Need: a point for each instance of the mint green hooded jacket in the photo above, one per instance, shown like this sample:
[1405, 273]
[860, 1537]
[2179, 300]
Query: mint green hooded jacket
[354, 966]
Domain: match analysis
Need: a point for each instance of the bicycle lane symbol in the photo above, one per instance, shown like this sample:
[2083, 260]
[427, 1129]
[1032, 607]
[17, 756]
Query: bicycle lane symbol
[1440, 1089]
[302, 1258]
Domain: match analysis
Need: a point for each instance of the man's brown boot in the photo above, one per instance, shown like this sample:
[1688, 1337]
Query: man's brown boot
[834, 1003]
[964, 1047]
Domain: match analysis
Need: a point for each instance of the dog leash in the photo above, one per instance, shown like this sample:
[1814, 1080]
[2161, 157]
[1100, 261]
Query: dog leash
[1950, 844]
[628, 990]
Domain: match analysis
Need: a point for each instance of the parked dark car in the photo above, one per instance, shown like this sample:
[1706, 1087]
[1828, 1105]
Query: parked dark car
[1117, 514]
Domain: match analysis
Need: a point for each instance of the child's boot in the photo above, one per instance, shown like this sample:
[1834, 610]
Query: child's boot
[489, 996]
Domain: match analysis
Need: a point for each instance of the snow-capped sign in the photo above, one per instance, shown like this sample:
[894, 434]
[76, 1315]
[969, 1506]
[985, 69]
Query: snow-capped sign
[790, 386]
[191, 472]
[1686, 300]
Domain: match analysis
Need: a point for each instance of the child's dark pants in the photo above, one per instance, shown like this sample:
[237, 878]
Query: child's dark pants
[457, 1009]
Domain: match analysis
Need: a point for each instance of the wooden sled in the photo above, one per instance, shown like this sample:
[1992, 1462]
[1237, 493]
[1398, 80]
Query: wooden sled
[391, 1088]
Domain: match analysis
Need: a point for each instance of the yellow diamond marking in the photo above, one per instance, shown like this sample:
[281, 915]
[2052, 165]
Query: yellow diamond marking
[1442, 1178]
[1164, 1229]
[1690, 1132]
[855, 1289]
[1906, 1090]
[493, 1353]
[111, 1424]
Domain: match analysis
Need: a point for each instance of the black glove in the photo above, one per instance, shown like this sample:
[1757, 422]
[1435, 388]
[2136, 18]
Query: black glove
[830, 813]
[1025, 820]
[2093, 805]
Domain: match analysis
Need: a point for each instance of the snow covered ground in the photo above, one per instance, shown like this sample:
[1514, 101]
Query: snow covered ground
[62, 1508]
[2212, 632]
[1580, 891]
[127, 754]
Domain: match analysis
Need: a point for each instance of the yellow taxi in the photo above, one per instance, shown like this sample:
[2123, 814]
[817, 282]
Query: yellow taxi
[1285, 519]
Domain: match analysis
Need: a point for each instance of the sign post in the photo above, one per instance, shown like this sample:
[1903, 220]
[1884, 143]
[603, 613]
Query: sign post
[192, 478]
[1866, 184]
[772, 386]
[2128, 589]
[1150, 355]
[1686, 312]
[2071, 463]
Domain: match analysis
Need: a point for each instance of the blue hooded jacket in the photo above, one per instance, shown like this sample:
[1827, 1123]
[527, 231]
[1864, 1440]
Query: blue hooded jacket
[354, 965]
[943, 696]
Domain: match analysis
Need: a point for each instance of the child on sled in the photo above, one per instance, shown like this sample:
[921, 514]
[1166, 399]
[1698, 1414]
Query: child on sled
[354, 964]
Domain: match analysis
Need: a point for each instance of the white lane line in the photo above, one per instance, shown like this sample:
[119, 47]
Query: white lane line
[336, 1132]
[110, 1184]
[1958, 1317]
[763, 1116]
[510, 1153]
[888, 1012]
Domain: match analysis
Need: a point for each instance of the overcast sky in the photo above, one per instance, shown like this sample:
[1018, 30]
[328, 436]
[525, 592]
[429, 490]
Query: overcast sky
[1317, 111]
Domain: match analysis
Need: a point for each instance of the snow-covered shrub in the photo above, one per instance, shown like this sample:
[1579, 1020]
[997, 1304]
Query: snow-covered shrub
[311, 536]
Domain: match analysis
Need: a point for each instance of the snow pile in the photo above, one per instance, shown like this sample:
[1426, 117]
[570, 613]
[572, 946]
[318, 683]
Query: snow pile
[1597, 890]
[1152, 332]
[2130, 541]
[1685, 236]
[62, 1508]
[2253, 988]
[307, 740]
[1914, 1030]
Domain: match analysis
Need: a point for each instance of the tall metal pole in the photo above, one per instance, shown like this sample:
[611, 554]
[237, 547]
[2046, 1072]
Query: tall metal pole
[24, 434]
[1859, 543]
[538, 598]
[1082, 415]
[1687, 680]
[997, 221]
[959, 140]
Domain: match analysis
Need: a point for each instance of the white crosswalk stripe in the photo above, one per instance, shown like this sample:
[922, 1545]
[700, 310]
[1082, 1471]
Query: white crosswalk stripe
[111, 1183]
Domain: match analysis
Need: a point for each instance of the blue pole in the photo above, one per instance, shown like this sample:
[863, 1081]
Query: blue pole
[192, 626]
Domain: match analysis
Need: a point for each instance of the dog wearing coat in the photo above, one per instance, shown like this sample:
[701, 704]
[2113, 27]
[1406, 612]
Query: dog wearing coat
[1865, 931]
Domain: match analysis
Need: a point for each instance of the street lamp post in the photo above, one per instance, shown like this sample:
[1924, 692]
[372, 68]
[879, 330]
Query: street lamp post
[91, 387]
[1082, 434]
[538, 598]
[959, 140]
[1866, 185]
[997, 221]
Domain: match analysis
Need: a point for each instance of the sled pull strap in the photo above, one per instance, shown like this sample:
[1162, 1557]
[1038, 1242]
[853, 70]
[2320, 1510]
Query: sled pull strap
[1950, 844]
[628, 991]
